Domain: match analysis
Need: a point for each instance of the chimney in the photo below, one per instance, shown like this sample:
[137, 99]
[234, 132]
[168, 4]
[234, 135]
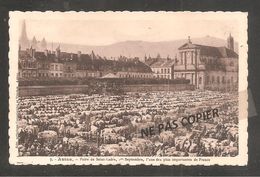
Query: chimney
[79, 56]
[168, 58]
[176, 60]
[230, 42]
[58, 52]
[46, 52]
[32, 52]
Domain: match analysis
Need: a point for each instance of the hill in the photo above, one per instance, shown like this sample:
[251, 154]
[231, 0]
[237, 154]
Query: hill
[141, 48]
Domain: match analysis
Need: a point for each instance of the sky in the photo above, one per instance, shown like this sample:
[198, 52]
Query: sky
[89, 29]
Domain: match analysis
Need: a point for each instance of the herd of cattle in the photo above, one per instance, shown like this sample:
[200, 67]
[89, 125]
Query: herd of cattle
[109, 125]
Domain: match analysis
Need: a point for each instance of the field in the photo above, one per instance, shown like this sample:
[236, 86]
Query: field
[111, 125]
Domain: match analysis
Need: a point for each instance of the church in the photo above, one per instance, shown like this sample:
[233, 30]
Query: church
[25, 43]
[208, 67]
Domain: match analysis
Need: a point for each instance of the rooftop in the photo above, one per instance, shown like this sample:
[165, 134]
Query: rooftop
[163, 63]
[87, 61]
[220, 52]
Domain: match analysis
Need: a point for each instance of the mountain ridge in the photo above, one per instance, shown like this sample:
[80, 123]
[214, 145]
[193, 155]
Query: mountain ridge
[139, 48]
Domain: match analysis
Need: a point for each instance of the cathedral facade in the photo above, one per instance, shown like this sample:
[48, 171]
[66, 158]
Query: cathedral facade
[208, 67]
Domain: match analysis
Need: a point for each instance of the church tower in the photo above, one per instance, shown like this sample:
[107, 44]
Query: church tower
[24, 41]
[34, 43]
[230, 42]
[43, 44]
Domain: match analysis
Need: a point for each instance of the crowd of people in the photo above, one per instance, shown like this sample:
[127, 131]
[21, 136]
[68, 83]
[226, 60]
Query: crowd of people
[105, 125]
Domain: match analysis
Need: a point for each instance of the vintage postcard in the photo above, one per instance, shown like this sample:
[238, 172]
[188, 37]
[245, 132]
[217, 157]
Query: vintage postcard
[153, 88]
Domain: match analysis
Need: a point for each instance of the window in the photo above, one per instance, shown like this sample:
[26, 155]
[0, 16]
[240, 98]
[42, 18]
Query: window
[231, 79]
[218, 81]
[231, 63]
[165, 71]
[56, 74]
[52, 74]
[192, 58]
[210, 61]
[207, 80]
[168, 70]
[213, 79]
[223, 79]
[200, 80]
[161, 70]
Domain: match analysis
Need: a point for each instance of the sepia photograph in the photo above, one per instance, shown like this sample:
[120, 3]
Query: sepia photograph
[128, 88]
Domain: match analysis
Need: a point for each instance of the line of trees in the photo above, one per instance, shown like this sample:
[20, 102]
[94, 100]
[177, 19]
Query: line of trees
[90, 81]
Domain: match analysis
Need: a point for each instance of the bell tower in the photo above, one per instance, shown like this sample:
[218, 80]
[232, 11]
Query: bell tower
[230, 42]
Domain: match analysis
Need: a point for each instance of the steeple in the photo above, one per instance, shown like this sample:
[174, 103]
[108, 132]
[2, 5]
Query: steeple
[230, 42]
[24, 41]
[43, 44]
[34, 43]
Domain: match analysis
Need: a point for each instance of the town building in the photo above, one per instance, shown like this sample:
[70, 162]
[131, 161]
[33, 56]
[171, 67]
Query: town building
[27, 64]
[163, 68]
[62, 65]
[43, 63]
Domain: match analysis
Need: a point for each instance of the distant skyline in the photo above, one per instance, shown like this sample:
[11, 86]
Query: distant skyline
[106, 30]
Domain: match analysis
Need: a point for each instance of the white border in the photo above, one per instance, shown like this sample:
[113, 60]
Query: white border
[239, 160]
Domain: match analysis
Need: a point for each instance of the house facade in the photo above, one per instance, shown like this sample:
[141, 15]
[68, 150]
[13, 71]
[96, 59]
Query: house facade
[163, 69]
